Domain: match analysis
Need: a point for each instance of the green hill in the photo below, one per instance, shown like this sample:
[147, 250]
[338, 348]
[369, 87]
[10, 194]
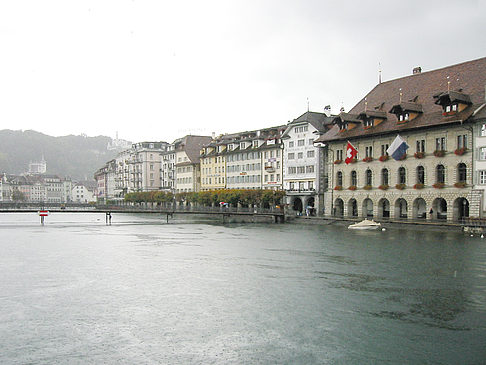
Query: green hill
[77, 157]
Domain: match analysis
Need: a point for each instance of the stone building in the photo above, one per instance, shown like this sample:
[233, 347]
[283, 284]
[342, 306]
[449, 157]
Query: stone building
[435, 113]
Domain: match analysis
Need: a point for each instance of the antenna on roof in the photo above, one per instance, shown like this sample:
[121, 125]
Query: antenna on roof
[379, 72]
[307, 104]
[400, 95]
[448, 84]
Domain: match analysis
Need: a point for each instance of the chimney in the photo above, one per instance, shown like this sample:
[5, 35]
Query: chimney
[417, 70]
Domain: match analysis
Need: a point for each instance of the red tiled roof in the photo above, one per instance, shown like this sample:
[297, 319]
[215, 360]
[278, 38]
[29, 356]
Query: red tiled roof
[467, 78]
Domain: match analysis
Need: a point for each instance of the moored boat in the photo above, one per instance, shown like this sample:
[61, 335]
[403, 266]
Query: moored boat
[365, 224]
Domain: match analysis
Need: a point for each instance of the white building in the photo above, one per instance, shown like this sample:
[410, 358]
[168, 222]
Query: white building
[303, 165]
[81, 194]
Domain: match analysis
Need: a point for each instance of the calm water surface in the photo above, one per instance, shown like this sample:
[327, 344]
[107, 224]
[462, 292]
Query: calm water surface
[141, 291]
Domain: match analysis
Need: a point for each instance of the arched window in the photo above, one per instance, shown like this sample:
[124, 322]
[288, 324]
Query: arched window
[461, 172]
[440, 174]
[369, 177]
[339, 178]
[384, 177]
[354, 178]
[402, 175]
[420, 175]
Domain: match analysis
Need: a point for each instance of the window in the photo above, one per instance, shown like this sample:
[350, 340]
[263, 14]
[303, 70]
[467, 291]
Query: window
[440, 144]
[462, 141]
[482, 177]
[384, 177]
[440, 174]
[483, 130]
[311, 141]
[369, 151]
[310, 154]
[292, 170]
[301, 169]
[300, 142]
[420, 175]
[292, 185]
[339, 178]
[420, 146]
[461, 173]
[402, 175]
[369, 177]
[354, 178]
[309, 169]
[291, 156]
[482, 153]
[151, 167]
[339, 155]
[278, 177]
[311, 185]
[291, 144]
[300, 155]
[384, 147]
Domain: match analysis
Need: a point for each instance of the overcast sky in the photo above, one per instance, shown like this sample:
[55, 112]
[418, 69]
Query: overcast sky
[157, 70]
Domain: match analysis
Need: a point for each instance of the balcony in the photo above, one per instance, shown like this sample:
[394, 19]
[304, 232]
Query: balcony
[301, 191]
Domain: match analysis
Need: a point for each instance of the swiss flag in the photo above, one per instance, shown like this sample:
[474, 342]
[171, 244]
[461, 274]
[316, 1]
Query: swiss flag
[351, 153]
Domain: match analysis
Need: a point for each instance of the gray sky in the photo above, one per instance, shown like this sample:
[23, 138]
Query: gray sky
[157, 70]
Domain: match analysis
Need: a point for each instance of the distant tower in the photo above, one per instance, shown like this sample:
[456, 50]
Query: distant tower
[38, 167]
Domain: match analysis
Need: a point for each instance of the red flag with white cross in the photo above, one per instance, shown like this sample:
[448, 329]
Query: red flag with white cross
[351, 153]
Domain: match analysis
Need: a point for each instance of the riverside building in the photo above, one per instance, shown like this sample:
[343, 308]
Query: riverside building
[187, 163]
[303, 174]
[245, 160]
[436, 113]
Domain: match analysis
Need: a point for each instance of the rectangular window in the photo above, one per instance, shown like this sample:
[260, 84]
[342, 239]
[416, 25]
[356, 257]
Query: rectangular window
[483, 130]
[310, 154]
[291, 144]
[291, 156]
[278, 177]
[384, 147]
[301, 169]
[440, 144]
[482, 177]
[420, 146]
[482, 153]
[311, 141]
[300, 142]
[462, 141]
[309, 169]
[300, 155]
[339, 155]
[369, 151]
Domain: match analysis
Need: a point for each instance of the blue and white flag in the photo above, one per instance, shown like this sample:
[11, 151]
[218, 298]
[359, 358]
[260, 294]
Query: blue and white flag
[398, 148]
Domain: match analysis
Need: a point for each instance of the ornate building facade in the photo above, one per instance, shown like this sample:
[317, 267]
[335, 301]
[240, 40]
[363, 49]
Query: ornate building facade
[435, 113]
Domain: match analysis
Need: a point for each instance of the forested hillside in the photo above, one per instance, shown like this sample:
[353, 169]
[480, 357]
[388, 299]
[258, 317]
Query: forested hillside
[77, 157]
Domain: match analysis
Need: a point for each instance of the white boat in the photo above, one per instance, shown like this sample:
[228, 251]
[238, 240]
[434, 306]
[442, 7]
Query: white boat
[365, 224]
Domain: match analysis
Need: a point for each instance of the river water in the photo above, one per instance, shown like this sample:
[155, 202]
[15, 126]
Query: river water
[142, 291]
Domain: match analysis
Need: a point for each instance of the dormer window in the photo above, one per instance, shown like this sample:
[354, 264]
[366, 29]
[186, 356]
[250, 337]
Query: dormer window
[346, 121]
[372, 118]
[242, 145]
[452, 102]
[406, 111]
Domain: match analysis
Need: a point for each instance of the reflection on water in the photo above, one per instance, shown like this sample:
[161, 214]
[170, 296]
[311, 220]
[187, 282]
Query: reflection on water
[194, 291]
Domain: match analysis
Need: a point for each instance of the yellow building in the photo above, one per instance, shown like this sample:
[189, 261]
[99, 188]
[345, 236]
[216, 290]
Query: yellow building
[213, 167]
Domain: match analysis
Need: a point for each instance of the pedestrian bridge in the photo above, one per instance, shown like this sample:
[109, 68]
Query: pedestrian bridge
[277, 215]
